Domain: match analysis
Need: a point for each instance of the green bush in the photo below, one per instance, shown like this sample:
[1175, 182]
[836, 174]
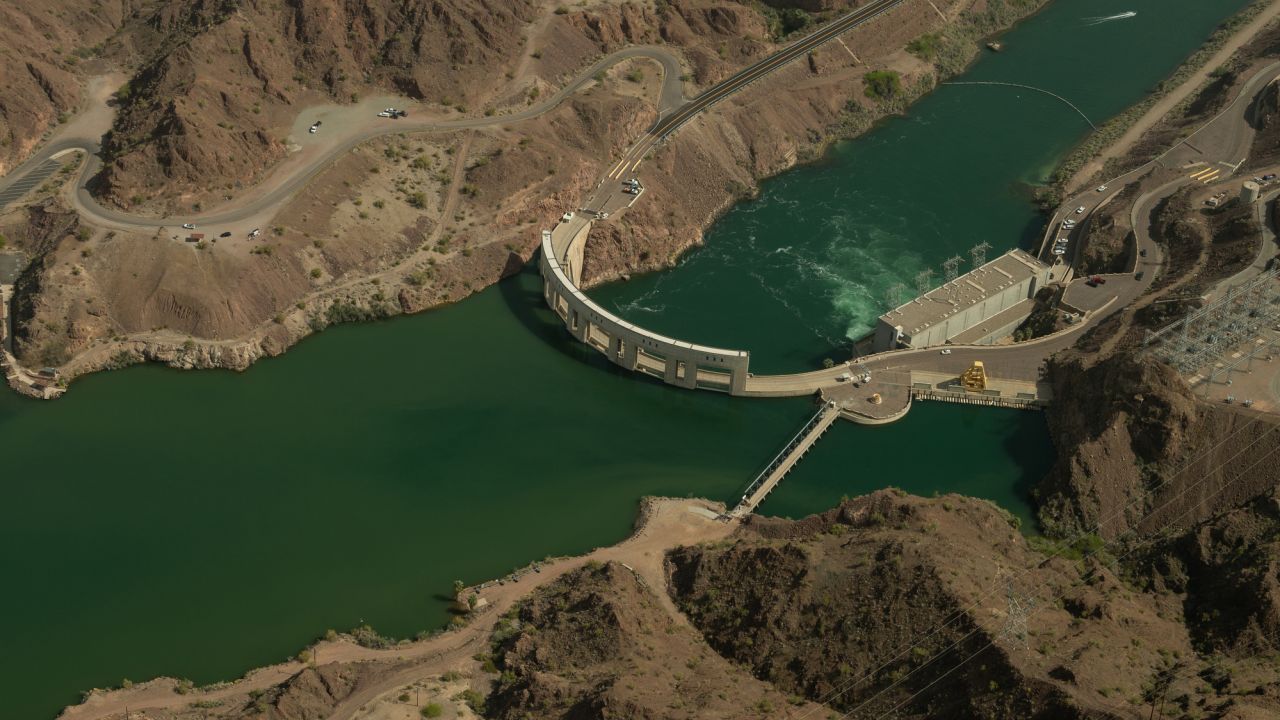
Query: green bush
[473, 699]
[432, 710]
[882, 84]
[925, 47]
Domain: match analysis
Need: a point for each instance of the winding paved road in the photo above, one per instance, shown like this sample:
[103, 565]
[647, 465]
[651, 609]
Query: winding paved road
[673, 111]
[276, 191]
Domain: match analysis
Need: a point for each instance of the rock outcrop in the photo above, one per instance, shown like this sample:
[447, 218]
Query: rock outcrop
[1137, 451]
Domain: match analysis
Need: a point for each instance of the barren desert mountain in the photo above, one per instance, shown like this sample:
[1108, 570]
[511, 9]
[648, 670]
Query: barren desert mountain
[45, 51]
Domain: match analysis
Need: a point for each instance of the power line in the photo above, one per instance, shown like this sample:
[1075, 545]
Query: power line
[964, 612]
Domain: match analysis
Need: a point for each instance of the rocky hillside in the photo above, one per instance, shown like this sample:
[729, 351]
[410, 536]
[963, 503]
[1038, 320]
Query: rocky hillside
[1108, 237]
[1137, 451]
[886, 605]
[44, 48]
[202, 115]
[914, 608]
[597, 644]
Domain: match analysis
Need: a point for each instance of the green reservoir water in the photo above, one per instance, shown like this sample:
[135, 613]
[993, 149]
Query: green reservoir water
[199, 524]
[798, 274]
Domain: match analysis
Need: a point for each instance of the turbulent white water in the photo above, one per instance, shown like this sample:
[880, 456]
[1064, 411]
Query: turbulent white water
[1109, 18]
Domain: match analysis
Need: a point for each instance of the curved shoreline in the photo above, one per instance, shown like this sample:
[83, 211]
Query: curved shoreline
[661, 523]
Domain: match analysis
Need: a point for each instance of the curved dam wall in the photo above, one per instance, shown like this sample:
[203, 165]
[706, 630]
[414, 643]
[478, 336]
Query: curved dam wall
[675, 362]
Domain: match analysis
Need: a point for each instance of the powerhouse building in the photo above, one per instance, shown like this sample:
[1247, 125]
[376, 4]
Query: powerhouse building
[977, 308]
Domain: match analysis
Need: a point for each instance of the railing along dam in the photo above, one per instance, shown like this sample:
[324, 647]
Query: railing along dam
[675, 362]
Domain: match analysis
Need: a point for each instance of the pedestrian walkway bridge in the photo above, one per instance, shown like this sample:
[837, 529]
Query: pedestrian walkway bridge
[782, 463]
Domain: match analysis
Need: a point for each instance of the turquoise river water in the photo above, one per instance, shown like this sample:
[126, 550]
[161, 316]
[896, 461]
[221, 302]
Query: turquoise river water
[199, 524]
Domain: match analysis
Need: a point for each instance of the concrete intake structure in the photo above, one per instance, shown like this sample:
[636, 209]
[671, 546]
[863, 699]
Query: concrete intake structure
[675, 362]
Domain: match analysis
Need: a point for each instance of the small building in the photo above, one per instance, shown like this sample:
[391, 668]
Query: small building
[977, 308]
[195, 237]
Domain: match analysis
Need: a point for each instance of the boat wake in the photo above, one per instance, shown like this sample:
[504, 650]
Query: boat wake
[1109, 18]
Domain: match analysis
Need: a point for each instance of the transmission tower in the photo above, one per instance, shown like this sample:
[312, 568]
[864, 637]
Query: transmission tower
[893, 295]
[979, 254]
[952, 267]
[924, 281]
[1020, 608]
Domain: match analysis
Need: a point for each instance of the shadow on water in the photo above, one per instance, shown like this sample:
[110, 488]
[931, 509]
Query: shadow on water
[522, 294]
[1031, 451]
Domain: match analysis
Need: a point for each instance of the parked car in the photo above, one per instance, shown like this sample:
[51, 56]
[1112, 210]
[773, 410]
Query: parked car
[1080, 210]
[255, 232]
[188, 226]
[945, 351]
[1102, 188]
[226, 234]
[384, 113]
